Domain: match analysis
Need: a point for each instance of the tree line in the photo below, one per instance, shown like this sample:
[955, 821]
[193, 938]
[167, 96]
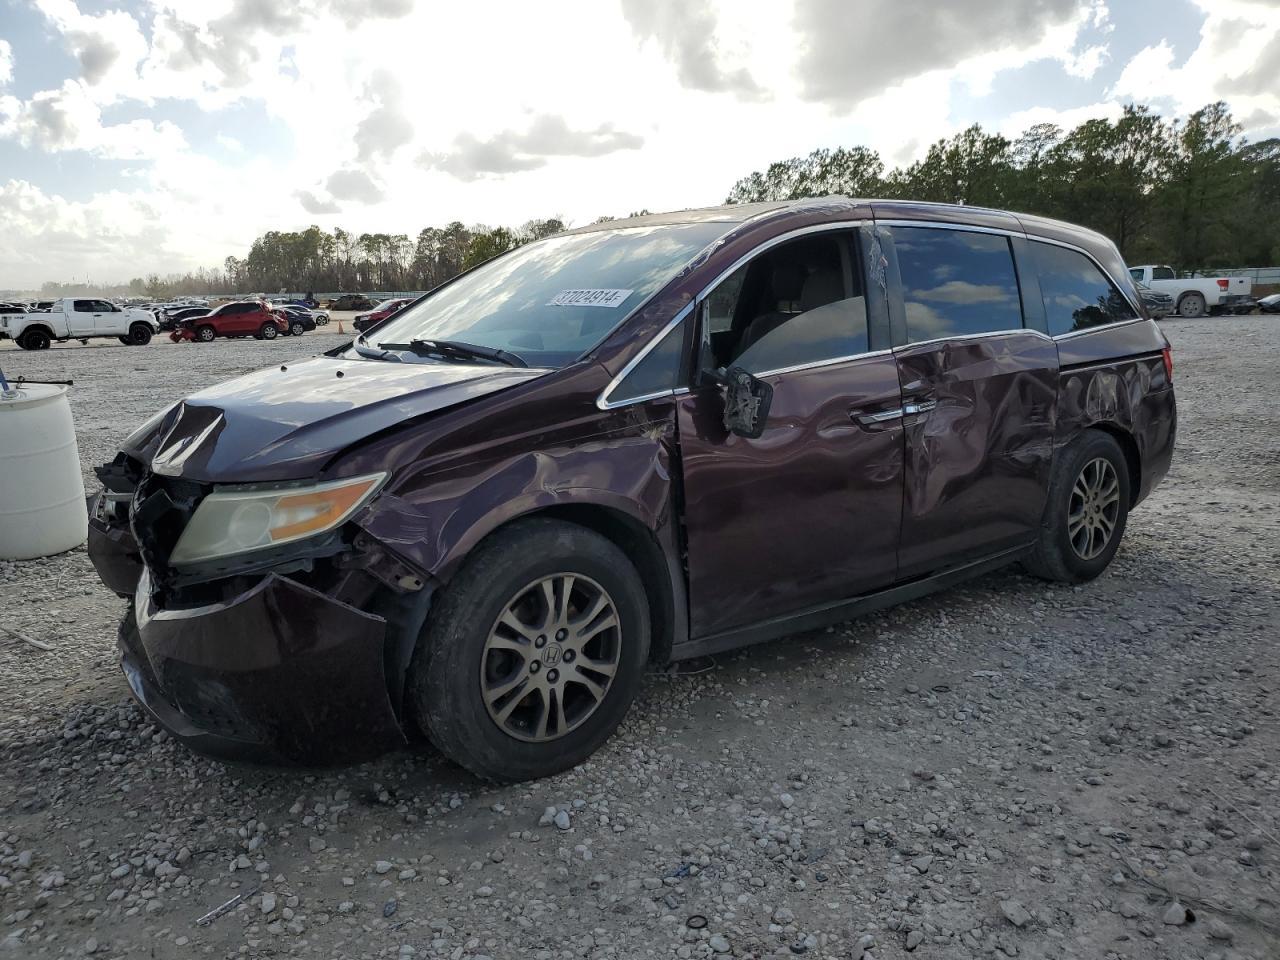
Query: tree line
[1192, 193]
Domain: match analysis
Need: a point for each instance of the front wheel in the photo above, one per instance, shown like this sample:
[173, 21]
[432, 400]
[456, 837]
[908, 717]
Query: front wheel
[297, 329]
[206, 334]
[139, 335]
[1088, 508]
[533, 654]
[268, 331]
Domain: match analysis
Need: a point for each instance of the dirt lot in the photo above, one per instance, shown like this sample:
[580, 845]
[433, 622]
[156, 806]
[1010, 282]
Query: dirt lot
[1008, 768]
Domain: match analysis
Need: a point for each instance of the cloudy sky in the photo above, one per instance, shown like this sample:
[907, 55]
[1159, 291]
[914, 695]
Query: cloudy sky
[161, 135]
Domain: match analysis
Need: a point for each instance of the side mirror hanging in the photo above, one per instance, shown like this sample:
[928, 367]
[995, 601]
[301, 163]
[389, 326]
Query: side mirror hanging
[746, 403]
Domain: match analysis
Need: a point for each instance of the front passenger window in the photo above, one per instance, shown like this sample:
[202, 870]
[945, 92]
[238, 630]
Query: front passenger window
[798, 304]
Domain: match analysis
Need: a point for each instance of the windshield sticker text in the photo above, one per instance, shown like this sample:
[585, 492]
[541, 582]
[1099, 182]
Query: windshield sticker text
[589, 298]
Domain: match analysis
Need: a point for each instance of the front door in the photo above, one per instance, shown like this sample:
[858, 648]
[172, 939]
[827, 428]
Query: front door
[979, 389]
[808, 513]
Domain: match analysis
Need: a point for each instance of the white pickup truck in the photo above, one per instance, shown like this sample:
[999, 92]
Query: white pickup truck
[1194, 296]
[78, 318]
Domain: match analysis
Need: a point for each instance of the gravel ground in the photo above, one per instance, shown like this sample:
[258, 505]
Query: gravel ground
[1007, 768]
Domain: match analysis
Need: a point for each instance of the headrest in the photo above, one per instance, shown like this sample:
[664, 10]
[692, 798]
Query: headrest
[825, 286]
[788, 279]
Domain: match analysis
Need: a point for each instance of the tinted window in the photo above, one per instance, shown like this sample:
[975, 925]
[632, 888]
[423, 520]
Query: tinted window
[550, 301]
[956, 283]
[1077, 295]
[1162, 273]
[82, 306]
[1136, 273]
[796, 304]
[658, 372]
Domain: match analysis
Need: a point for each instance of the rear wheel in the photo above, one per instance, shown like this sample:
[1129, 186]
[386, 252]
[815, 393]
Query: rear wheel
[268, 331]
[139, 335]
[35, 339]
[1191, 305]
[206, 334]
[533, 654]
[1087, 510]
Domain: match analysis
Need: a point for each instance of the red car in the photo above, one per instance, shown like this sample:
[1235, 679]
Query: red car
[240, 318]
[379, 313]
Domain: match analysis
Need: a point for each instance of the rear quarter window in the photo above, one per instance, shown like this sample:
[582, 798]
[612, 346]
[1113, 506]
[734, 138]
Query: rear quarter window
[1077, 294]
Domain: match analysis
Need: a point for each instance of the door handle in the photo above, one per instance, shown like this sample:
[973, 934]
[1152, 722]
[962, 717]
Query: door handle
[871, 419]
[918, 406]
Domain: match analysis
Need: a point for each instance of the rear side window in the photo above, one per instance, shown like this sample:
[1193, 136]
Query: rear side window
[956, 283]
[82, 306]
[1077, 295]
[658, 373]
[1162, 273]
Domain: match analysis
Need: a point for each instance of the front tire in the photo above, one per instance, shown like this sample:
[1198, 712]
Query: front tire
[1191, 306]
[268, 331]
[206, 334]
[1087, 510]
[139, 335]
[297, 329]
[533, 654]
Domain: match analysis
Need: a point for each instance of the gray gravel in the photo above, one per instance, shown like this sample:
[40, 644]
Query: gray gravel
[1006, 769]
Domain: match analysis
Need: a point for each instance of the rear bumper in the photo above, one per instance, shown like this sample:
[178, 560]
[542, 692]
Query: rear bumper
[280, 673]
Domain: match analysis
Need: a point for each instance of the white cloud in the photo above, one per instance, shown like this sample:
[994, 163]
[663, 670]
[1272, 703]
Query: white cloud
[1237, 59]
[6, 62]
[69, 119]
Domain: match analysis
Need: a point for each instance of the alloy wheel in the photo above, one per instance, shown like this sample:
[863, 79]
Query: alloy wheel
[1094, 508]
[551, 657]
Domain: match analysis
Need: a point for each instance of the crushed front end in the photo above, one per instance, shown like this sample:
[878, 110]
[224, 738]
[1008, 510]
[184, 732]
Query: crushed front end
[296, 652]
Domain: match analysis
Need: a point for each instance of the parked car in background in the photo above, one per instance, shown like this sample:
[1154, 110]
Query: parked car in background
[239, 318]
[41, 306]
[351, 301]
[297, 321]
[170, 318]
[1270, 304]
[387, 308]
[638, 441]
[7, 307]
[78, 318]
[1159, 305]
[1193, 296]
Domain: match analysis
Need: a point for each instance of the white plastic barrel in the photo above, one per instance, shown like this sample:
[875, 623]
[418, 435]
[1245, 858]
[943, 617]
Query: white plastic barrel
[42, 508]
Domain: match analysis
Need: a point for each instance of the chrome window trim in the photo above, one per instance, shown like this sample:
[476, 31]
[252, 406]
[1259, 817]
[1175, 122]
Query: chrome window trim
[945, 225]
[829, 362]
[603, 401]
[975, 336]
[1137, 310]
[1100, 328]
[755, 251]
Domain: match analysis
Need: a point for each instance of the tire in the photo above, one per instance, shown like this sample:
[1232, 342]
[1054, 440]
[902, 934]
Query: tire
[139, 335]
[1191, 306]
[267, 331]
[35, 339]
[465, 653]
[126, 341]
[297, 329]
[1071, 550]
[206, 334]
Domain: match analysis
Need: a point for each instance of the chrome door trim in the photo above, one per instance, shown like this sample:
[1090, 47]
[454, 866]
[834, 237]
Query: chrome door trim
[603, 401]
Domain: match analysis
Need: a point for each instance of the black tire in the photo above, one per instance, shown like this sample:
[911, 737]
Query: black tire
[126, 341]
[1191, 306]
[1057, 555]
[139, 335]
[297, 329]
[267, 331]
[35, 339]
[445, 676]
[206, 333]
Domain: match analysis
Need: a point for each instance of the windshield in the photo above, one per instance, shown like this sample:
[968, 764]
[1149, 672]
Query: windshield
[550, 301]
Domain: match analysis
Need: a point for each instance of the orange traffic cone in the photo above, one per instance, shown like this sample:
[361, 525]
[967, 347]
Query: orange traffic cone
[340, 330]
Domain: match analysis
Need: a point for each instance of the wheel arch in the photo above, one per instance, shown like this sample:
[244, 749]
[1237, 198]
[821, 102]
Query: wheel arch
[42, 327]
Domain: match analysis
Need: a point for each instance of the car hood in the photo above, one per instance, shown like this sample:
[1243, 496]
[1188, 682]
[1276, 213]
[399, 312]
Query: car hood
[286, 422]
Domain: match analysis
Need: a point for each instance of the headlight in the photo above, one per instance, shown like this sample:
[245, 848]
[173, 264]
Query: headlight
[228, 522]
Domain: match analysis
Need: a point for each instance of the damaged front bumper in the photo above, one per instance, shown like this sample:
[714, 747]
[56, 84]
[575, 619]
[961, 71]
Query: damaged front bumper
[280, 672]
[306, 663]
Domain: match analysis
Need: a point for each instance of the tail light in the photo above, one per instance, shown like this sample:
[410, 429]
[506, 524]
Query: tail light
[1167, 354]
[1223, 283]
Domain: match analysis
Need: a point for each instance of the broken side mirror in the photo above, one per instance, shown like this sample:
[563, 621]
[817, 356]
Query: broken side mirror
[746, 402]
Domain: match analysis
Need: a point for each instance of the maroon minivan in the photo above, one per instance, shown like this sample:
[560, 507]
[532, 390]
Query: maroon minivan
[640, 441]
